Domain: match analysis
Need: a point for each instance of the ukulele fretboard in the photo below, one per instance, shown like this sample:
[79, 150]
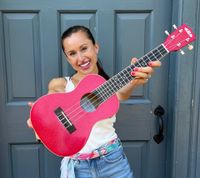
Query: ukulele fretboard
[121, 79]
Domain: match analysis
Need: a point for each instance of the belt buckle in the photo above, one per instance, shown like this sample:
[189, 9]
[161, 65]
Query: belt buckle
[103, 151]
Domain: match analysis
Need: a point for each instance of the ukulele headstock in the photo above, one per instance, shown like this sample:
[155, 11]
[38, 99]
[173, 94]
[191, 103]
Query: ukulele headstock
[179, 38]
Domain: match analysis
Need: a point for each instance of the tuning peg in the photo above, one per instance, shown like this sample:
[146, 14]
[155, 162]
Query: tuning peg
[174, 26]
[181, 30]
[187, 39]
[190, 47]
[166, 32]
[182, 52]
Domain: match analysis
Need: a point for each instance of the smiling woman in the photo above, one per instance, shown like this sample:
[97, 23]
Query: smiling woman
[81, 50]
[81, 53]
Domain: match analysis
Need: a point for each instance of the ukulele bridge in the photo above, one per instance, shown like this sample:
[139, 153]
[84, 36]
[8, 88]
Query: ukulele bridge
[62, 117]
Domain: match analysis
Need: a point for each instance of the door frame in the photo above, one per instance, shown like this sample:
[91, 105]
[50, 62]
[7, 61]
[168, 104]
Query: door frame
[183, 140]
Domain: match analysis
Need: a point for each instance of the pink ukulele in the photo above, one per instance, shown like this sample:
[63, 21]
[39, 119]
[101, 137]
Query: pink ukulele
[63, 121]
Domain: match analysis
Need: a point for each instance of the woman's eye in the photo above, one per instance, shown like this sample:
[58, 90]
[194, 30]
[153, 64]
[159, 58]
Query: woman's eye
[72, 54]
[84, 49]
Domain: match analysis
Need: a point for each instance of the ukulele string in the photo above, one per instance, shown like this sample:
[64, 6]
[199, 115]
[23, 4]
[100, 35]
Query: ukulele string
[145, 61]
[84, 100]
[95, 96]
[100, 93]
[95, 101]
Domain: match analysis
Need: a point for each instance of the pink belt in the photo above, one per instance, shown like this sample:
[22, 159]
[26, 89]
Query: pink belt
[108, 147]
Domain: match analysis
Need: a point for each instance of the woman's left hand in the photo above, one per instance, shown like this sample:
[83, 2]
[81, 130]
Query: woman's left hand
[143, 74]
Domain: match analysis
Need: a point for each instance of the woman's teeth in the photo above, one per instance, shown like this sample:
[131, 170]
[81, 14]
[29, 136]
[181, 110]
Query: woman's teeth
[85, 64]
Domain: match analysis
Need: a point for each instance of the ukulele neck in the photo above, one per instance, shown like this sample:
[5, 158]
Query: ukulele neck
[111, 86]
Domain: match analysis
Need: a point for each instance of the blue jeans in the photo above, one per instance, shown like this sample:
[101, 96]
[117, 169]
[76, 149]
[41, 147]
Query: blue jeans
[112, 165]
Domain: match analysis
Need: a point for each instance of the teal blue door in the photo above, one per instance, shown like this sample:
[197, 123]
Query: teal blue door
[30, 55]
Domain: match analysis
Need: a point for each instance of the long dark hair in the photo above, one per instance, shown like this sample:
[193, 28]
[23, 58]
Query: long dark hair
[84, 29]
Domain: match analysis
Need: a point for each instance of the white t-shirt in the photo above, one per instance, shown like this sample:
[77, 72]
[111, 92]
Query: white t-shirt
[102, 132]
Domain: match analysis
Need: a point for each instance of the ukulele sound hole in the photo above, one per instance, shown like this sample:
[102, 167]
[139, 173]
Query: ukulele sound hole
[90, 102]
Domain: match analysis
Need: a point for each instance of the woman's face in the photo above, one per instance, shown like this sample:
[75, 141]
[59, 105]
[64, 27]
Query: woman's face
[81, 53]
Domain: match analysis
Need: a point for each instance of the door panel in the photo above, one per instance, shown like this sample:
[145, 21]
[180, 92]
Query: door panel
[31, 55]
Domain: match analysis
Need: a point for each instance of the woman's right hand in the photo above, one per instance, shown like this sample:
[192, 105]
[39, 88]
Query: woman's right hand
[30, 104]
